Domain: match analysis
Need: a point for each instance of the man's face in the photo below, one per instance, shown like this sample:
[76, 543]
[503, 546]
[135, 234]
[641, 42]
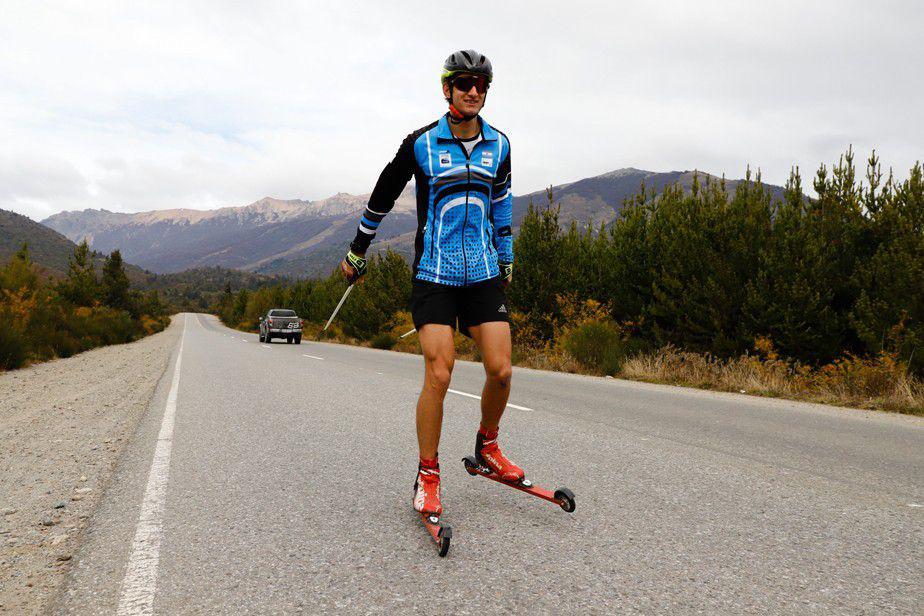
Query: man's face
[469, 102]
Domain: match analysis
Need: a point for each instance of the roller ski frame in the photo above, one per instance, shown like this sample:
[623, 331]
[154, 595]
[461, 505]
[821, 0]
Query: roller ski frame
[563, 497]
[441, 533]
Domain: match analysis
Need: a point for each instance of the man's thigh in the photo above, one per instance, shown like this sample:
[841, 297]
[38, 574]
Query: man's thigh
[436, 343]
[494, 343]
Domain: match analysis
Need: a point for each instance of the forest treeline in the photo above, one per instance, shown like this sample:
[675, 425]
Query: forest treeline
[42, 318]
[706, 271]
[713, 272]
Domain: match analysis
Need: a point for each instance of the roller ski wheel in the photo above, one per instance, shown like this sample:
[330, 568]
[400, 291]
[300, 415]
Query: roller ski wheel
[563, 497]
[441, 533]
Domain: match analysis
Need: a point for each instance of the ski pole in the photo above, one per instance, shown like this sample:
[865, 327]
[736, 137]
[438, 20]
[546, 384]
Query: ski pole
[337, 309]
[409, 333]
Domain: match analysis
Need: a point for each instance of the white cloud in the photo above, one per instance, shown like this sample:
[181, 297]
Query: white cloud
[203, 104]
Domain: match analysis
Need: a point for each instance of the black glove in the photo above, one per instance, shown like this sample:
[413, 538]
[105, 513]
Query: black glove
[506, 271]
[358, 264]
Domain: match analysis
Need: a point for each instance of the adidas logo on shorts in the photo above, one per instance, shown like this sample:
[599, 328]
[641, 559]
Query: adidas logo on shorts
[502, 308]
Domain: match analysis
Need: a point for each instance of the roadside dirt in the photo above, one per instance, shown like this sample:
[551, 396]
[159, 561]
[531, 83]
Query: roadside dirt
[63, 426]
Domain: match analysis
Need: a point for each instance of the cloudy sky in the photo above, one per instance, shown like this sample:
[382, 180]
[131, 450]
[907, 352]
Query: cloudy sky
[133, 106]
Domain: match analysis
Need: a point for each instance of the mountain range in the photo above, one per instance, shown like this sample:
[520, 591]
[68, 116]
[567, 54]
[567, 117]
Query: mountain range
[50, 251]
[307, 238]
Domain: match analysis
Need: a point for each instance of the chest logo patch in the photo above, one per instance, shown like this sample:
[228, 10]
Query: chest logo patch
[445, 159]
[487, 159]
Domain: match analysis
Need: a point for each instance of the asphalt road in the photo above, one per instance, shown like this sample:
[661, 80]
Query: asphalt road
[287, 485]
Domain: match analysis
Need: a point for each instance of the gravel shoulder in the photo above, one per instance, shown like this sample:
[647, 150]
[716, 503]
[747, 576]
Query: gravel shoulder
[63, 426]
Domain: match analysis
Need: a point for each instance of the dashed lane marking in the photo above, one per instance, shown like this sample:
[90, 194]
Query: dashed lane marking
[313, 356]
[468, 395]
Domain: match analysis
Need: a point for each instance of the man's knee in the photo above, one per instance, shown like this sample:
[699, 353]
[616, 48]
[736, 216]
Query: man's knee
[439, 373]
[499, 371]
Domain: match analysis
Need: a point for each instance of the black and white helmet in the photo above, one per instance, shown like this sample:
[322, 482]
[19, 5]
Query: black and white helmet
[467, 61]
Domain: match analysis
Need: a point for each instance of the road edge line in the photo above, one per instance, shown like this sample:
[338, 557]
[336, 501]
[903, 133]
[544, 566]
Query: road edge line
[136, 595]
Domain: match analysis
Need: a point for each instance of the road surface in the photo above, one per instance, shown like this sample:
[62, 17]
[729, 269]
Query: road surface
[277, 479]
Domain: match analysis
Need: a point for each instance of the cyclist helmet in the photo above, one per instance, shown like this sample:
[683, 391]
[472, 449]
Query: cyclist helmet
[467, 61]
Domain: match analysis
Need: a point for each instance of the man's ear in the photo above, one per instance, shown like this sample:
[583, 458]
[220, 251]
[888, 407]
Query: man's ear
[447, 92]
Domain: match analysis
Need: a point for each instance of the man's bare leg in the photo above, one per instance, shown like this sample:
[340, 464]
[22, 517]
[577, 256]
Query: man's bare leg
[439, 355]
[493, 340]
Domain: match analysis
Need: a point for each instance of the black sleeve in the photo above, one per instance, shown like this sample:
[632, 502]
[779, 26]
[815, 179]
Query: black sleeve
[392, 180]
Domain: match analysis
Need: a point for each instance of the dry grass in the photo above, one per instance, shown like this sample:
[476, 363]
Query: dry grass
[877, 383]
[547, 358]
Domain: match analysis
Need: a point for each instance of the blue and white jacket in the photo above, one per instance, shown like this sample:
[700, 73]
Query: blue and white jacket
[463, 203]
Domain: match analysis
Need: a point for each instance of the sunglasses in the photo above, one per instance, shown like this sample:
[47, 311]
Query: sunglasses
[465, 83]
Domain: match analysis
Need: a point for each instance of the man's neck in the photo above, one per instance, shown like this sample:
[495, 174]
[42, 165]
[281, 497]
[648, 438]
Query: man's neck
[466, 129]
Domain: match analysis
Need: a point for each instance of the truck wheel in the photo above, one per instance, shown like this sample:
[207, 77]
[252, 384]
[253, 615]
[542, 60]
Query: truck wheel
[298, 339]
[268, 338]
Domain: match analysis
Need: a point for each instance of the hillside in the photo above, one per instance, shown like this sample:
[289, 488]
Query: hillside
[49, 249]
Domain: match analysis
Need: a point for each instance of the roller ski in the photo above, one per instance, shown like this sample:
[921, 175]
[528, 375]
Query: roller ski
[428, 506]
[489, 462]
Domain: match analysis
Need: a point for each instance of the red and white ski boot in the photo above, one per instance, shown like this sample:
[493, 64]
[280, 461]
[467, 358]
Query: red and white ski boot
[488, 454]
[428, 506]
[427, 488]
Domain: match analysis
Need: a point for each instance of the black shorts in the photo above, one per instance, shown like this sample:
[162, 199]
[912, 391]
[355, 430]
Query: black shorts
[475, 304]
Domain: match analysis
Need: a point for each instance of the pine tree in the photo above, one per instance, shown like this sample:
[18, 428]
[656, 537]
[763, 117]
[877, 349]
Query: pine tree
[374, 304]
[889, 313]
[81, 287]
[537, 278]
[115, 284]
[19, 274]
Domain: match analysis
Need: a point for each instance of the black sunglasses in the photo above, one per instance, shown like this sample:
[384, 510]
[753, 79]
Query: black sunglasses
[465, 83]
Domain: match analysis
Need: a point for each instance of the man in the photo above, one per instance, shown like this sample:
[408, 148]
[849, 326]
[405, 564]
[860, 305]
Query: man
[463, 259]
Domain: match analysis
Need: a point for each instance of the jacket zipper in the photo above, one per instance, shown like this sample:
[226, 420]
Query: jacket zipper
[468, 170]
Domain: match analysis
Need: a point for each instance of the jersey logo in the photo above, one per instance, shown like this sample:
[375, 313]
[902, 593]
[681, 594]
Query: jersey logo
[445, 159]
[502, 308]
[487, 159]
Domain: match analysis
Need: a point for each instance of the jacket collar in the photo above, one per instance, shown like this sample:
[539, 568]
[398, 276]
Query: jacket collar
[444, 134]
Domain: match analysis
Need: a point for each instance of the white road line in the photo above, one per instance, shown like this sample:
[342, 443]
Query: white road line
[468, 395]
[265, 346]
[136, 595]
[313, 356]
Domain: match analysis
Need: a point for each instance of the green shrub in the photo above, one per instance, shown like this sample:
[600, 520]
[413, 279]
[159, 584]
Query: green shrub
[12, 346]
[598, 345]
[384, 340]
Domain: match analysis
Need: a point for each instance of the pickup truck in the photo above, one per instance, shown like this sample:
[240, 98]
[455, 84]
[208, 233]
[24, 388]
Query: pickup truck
[281, 323]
